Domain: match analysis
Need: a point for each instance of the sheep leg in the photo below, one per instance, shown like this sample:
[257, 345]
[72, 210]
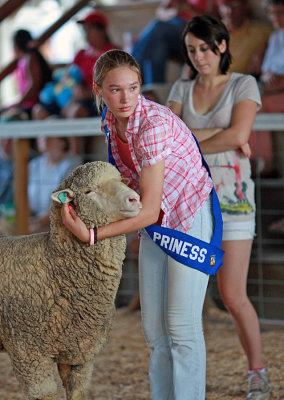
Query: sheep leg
[45, 389]
[75, 379]
[37, 378]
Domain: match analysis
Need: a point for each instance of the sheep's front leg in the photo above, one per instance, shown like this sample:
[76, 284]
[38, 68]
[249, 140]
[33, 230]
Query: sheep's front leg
[37, 378]
[75, 379]
[44, 389]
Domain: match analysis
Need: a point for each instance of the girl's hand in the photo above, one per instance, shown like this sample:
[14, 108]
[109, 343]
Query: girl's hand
[245, 150]
[75, 225]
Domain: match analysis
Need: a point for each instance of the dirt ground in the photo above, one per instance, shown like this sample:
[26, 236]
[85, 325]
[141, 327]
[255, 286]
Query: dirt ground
[121, 368]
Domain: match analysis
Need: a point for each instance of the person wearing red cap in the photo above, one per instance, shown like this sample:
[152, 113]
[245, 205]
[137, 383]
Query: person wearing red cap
[81, 105]
[160, 39]
[95, 18]
[95, 27]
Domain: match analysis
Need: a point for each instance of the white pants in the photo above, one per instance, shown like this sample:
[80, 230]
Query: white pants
[172, 297]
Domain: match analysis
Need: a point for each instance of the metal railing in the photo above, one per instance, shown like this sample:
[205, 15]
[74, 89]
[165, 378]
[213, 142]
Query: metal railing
[266, 276]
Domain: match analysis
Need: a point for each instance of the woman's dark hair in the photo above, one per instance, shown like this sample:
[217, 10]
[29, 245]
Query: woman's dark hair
[212, 31]
[21, 39]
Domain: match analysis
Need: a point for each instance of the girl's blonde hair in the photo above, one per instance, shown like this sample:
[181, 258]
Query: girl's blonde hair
[108, 61]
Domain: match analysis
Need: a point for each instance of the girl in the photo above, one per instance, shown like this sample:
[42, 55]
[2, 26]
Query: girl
[157, 153]
[220, 108]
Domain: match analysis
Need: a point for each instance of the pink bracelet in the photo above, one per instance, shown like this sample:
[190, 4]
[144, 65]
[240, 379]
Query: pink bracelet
[93, 236]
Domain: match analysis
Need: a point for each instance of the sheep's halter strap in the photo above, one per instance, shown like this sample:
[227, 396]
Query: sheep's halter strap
[186, 249]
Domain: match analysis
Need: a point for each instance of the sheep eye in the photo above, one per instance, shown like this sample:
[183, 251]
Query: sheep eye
[88, 191]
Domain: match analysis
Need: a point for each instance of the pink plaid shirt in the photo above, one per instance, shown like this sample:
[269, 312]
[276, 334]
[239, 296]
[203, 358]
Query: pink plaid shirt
[154, 132]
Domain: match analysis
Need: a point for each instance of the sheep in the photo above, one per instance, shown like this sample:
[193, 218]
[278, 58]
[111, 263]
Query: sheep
[57, 293]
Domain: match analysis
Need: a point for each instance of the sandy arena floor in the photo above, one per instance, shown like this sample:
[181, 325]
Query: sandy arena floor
[121, 368]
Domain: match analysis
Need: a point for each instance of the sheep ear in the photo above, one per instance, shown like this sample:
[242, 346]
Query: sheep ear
[63, 196]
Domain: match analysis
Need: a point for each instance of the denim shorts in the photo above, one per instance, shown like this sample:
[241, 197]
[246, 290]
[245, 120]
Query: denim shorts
[239, 230]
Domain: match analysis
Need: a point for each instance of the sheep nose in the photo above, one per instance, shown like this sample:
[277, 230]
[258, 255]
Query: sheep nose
[134, 201]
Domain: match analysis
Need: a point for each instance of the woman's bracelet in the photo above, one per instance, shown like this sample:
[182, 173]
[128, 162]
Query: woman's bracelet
[93, 236]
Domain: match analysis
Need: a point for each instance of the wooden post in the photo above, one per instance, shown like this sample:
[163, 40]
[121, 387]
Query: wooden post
[21, 158]
[9, 7]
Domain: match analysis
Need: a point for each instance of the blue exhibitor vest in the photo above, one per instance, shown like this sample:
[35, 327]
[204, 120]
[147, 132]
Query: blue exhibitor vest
[186, 249]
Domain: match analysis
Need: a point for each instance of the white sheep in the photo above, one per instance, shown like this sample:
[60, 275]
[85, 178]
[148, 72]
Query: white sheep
[57, 293]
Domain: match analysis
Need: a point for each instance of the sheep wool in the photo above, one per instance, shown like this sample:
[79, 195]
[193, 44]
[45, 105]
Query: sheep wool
[57, 293]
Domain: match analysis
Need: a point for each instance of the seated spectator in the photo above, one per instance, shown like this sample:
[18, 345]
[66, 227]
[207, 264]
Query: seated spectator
[272, 69]
[45, 173]
[272, 88]
[6, 171]
[160, 40]
[7, 210]
[81, 104]
[32, 73]
[272, 79]
[248, 36]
